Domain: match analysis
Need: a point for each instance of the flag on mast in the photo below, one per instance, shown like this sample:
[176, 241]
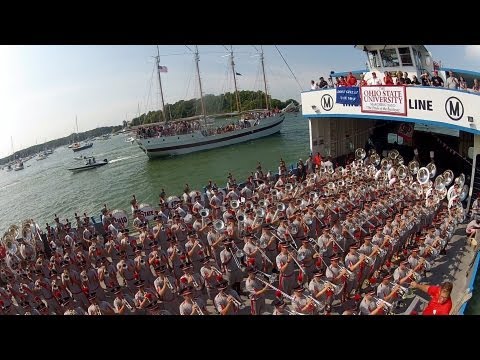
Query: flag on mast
[236, 73]
[162, 68]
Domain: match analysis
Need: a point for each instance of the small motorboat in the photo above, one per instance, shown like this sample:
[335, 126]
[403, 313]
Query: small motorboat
[83, 157]
[90, 164]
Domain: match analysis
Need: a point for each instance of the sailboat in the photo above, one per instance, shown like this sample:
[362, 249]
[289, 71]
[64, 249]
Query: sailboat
[79, 146]
[202, 135]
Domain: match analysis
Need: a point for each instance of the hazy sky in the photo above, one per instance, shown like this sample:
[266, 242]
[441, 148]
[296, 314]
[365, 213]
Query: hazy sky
[43, 88]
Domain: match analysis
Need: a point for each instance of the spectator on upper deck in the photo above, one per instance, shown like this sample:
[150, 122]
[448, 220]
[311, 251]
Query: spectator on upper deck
[322, 84]
[387, 79]
[400, 80]
[476, 85]
[415, 80]
[452, 81]
[313, 86]
[437, 80]
[363, 82]
[341, 82]
[374, 80]
[330, 82]
[351, 79]
[407, 79]
[426, 80]
[462, 84]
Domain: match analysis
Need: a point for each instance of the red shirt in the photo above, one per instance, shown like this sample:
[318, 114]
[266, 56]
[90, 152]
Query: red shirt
[441, 309]
[351, 80]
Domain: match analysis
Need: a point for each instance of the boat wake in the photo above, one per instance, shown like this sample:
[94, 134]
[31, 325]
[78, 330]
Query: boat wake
[123, 158]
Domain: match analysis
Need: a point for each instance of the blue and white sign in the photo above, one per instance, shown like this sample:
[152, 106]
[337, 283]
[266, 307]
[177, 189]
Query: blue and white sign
[348, 95]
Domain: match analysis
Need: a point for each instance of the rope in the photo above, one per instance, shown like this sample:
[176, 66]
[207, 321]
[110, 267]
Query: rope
[448, 148]
[285, 61]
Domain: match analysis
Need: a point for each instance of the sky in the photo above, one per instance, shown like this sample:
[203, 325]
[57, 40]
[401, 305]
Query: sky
[44, 88]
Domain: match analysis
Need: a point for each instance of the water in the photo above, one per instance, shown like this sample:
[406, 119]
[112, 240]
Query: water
[46, 187]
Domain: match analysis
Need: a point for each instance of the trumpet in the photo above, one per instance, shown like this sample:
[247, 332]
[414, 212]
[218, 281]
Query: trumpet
[197, 308]
[315, 301]
[335, 288]
[169, 284]
[293, 312]
[236, 302]
[402, 291]
[388, 306]
[350, 274]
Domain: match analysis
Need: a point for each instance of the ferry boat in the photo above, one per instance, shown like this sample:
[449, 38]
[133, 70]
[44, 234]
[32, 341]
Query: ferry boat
[428, 123]
[203, 134]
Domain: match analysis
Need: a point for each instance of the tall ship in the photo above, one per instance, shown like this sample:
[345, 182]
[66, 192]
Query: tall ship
[200, 132]
[423, 118]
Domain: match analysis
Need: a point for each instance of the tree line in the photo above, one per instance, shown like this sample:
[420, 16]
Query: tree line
[214, 104]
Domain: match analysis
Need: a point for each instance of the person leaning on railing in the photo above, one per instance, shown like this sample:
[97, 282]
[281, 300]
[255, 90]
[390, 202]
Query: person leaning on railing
[441, 302]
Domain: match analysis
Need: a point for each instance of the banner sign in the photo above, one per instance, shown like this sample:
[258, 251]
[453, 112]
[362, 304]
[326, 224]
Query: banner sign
[384, 100]
[348, 95]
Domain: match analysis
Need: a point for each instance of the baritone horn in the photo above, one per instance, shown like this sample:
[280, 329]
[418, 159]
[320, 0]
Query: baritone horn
[218, 225]
[413, 166]
[448, 177]
[432, 168]
[288, 187]
[402, 172]
[234, 204]
[360, 154]
[423, 175]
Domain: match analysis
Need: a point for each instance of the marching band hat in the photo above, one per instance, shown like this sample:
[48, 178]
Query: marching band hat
[138, 248]
[265, 226]
[191, 233]
[139, 283]
[354, 246]
[415, 249]
[116, 289]
[326, 229]
[318, 272]
[186, 291]
[91, 296]
[379, 228]
[299, 288]
[284, 245]
[303, 239]
[41, 306]
[226, 241]
[334, 258]
[387, 277]
[160, 268]
[222, 285]
[186, 266]
[251, 269]
[404, 262]
[248, 211]
[370, 292]
[390, 218]
[368, 237]
[278, 303]
[206, 259]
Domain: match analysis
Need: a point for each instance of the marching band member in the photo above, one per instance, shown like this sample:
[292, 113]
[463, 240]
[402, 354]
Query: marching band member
[69, 308]
[144, 298]
[319, 290]
[191, 280]
[369, 307]
[355, 264]
[401, 273]
[194, 250]
[286, 266]
[189, 306]
[166, 290]
[99, 307]
[215, 204]
[301, 303]
[254, 257]
[123, 304]
[279, 307]
[233, 275]
[308, 263]
[334, 274]
[212, 276]
[215, 241]
[385, 291]
[257, 292]
[227, 301]
[125, 268]
[71, 280]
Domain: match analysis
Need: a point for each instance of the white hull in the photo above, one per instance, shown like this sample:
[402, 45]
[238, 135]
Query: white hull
[184, 144]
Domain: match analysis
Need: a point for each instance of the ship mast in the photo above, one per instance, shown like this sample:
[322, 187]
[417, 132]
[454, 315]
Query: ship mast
[264, 78]
[237, 98]
[197, 59]
[160, 83]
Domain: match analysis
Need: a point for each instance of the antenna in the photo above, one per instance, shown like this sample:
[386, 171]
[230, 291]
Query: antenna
[160, 83]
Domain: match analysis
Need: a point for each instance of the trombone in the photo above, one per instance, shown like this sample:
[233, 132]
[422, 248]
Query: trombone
[262, 252]
[289, 297]
[238, 254]
[402, 291]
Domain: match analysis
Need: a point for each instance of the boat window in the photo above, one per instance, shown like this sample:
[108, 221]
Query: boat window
[389, 57]
[394, 138]
[373, 59]
[405, 56]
